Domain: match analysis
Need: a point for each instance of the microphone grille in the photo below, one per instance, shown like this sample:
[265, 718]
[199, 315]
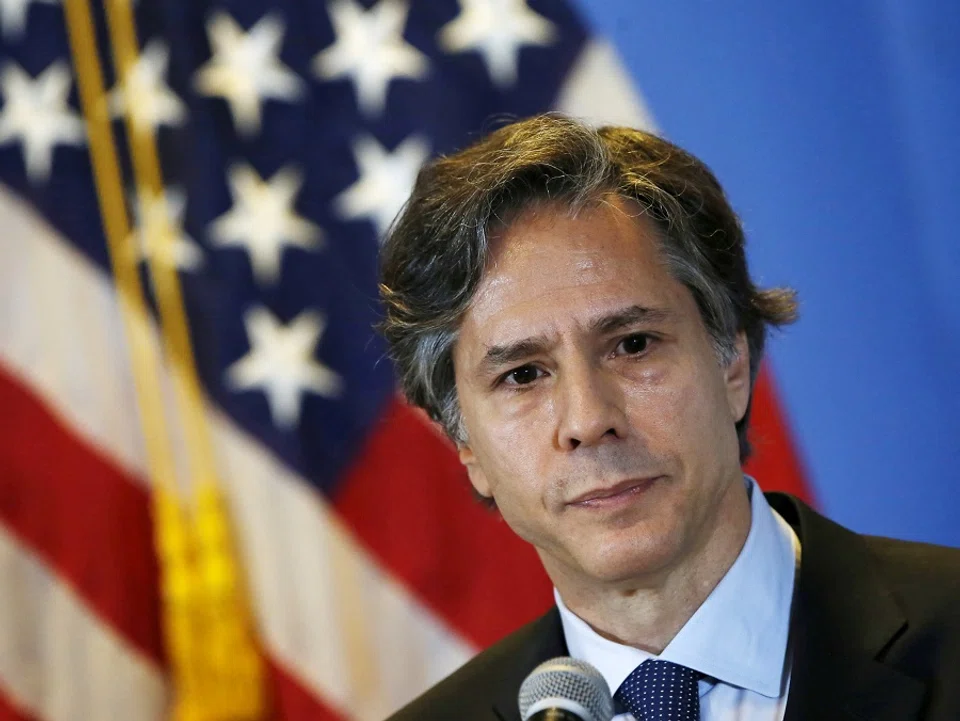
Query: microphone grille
[566, 679]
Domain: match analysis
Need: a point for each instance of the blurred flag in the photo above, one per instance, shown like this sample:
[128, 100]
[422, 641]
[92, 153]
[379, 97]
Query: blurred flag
[288, 136]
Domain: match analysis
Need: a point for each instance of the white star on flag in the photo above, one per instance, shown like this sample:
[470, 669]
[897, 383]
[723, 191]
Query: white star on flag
[245, 68]
[164, 212]
[386, 179]
[262, 219]
[152, 102]
[36, 113]
[13, 16]
[370, 50]
[497, 29]
[281, 364]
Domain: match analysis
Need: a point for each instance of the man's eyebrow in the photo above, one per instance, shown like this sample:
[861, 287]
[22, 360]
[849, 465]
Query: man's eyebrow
[634, 315]
[509, 353]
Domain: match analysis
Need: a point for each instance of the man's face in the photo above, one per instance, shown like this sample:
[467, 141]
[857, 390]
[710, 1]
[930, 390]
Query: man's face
[597, 413]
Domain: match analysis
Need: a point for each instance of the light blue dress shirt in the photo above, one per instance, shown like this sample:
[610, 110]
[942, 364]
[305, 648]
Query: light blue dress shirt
[737, 638]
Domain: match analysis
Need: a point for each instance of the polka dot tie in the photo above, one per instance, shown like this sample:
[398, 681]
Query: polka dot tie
[661, 691]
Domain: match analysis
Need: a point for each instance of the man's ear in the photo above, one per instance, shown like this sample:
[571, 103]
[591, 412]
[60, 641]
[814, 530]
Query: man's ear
[737, 379]
[478, 479]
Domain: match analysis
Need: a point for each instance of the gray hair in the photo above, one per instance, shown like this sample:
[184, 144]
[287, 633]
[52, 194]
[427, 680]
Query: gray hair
[438, 249]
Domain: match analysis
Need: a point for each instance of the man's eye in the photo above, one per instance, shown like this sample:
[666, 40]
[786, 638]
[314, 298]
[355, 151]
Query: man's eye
[522, 375]
[634, 344]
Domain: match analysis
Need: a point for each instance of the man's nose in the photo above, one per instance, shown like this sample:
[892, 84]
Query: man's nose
[590, 406]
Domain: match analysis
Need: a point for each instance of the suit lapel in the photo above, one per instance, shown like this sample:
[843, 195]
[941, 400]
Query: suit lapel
[546, 642]
[844, 618]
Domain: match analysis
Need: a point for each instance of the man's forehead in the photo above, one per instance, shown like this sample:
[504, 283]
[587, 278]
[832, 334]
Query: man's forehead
[543, 219]
[590, 264]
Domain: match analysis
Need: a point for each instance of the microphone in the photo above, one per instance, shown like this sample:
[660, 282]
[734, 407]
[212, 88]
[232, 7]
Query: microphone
[565, 689]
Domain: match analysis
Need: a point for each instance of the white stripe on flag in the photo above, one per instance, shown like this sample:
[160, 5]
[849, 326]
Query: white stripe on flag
[60, 331]
[336, 620]
[599, 90]
[58, 661]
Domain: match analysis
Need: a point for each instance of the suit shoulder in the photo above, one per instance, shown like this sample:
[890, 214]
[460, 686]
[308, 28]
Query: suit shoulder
[924, 576]
[917, 561]
[468, 692]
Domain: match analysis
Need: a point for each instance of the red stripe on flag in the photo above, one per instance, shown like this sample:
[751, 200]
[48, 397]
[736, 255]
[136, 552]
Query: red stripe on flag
[91, 522]
[88, 519]
[10, 712]
[409, 501]
[292, 702]
[775, 462]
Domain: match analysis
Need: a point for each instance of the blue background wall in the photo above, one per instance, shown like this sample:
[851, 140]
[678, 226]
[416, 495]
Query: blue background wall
[835, 127]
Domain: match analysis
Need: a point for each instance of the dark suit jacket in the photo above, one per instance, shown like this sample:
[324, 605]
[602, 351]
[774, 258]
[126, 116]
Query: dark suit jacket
[875, 636]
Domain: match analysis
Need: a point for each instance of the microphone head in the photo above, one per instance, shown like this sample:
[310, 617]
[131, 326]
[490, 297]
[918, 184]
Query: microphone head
[568, 684]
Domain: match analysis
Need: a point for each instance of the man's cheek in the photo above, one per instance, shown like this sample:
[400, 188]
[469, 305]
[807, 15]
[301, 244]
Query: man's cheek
[660, 413]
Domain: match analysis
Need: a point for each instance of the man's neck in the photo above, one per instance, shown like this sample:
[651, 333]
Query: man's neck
[647, 613]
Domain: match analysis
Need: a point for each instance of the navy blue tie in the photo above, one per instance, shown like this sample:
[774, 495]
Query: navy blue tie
[661, 691]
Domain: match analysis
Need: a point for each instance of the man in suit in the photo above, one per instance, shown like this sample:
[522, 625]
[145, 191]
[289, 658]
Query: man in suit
[574, 307]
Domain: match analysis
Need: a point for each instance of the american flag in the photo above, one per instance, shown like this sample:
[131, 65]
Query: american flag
[289, 135]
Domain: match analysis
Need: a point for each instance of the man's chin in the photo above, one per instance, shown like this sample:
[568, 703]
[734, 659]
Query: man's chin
[630, 572]
[630, 567]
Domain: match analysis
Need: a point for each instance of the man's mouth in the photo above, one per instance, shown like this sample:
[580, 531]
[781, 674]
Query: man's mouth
[607, 496]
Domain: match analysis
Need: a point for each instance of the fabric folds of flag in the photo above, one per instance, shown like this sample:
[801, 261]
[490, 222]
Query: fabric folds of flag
[260, 473]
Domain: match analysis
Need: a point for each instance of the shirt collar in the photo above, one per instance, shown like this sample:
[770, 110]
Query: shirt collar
[739, 634]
